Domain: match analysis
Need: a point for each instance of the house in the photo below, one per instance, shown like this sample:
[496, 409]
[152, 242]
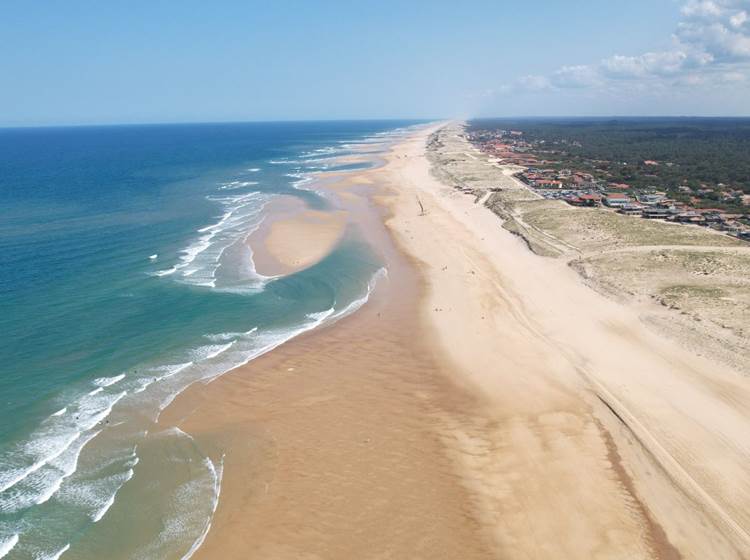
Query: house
[630, 209]
[590, 199]
[689, 218]
[651, 199]
[713, 217]
[616, 200]
[582, 199]
[548, 184]
[656, 213]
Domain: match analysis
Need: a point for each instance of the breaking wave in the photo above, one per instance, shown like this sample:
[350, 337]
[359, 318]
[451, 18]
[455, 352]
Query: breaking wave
[199, 262]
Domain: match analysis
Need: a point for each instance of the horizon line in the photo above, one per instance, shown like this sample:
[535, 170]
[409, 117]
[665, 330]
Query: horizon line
[359, 119]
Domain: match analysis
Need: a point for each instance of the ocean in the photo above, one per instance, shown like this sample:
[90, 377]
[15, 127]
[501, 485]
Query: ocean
[125, 278]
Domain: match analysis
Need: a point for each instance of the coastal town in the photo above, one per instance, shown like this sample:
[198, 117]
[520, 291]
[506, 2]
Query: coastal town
[546, 168]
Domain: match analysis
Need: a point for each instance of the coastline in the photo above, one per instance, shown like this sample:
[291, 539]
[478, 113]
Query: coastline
[294, 237]
[570, 374]
[333, 441]
[528, 416]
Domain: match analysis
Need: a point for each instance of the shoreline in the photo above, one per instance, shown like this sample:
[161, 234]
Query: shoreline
[523, 392]
[584, 360]
[293, 236]
[330, 434]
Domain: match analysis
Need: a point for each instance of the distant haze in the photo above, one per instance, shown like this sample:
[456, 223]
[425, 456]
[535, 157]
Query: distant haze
[86, 62]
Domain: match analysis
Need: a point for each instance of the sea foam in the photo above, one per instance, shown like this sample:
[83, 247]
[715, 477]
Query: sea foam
[44, 483]
[107, 381]
[216, 473]
[55, 436]
[7, 545]
[199, 261]
[55, 555]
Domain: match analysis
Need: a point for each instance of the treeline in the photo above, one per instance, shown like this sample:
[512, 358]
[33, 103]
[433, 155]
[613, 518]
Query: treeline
[701, 150]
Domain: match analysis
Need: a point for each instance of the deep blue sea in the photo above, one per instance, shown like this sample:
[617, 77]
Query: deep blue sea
[124, 278]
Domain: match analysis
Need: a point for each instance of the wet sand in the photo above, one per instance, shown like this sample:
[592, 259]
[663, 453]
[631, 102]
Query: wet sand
[334, 442]
[333, 448]
[294, 237]
[483, 404]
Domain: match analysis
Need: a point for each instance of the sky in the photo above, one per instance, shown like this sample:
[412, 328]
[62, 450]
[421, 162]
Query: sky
[144, 61]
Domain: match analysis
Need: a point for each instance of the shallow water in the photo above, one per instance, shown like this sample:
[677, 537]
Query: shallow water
[126, 278]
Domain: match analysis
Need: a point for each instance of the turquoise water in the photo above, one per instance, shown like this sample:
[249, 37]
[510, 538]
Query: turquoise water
[126, 278]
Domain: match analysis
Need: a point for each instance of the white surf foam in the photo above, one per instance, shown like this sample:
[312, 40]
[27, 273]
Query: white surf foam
[162, 372]
[65, 465]
[56, 435]
[58, 445]
[55, 555]
[224, 337]
[107, 381]
[173, 369]
[48, 447]
[97, 516]
[359, 302]
[218, 224]
[166, 272]
[265, 342]
[7, 545]
[321, 316]
[98, 494]
[60, 412]
[216, 473]
[209, 352]
[234, 185]
[96, 412]
[41, 485]
[200, 260]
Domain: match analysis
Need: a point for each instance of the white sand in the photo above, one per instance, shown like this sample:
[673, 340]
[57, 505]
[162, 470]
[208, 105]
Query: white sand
[546, 352]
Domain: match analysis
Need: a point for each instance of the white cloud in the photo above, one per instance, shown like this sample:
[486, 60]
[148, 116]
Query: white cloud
[716, 40]
[533, 83]
[580, 76]
[702, 8]
[719, 28]
[710, 46]
[663, 63]
[738, 19]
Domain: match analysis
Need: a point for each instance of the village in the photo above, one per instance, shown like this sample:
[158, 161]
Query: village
[541, 168]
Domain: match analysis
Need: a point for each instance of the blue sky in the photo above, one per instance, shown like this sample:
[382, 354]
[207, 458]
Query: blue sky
[82, 62]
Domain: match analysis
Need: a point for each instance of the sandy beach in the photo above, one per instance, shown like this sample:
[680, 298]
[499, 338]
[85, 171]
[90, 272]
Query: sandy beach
[485, 403]
[294, 237]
